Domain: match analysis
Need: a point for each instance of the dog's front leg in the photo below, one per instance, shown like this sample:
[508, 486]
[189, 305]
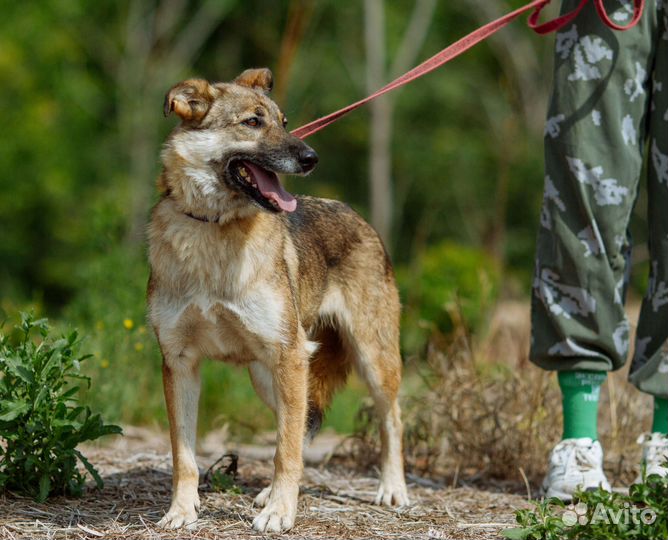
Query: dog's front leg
[289, 382]
[181, 382]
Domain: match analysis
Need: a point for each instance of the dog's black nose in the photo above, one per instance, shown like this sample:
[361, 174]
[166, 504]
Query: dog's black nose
[308, 159]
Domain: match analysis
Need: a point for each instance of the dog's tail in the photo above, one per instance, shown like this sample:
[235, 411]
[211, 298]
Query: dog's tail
[328, 371]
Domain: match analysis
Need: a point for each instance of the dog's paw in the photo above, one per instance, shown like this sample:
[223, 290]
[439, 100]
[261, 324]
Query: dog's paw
[180, 515]
[276, 517]
[392, 493]
[263, 497]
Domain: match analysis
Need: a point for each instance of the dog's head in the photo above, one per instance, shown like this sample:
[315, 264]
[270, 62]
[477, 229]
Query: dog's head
[232, 143]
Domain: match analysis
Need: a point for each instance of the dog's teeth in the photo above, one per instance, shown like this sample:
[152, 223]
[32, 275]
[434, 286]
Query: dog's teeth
[243, 172]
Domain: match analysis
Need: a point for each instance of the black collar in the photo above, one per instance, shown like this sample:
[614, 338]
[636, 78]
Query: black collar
[203, 219]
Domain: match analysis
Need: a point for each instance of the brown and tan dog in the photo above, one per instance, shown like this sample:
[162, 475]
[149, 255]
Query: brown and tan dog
[299, 290]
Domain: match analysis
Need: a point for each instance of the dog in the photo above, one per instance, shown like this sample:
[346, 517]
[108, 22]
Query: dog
[299, 290]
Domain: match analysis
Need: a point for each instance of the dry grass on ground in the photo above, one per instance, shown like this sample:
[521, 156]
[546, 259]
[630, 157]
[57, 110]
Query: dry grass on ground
[334, 503]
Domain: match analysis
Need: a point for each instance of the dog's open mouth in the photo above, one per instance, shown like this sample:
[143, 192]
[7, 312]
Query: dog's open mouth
[262, 185]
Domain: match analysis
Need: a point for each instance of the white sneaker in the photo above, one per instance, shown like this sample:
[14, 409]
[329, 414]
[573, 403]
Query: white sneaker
[654, 454]
[574, 463]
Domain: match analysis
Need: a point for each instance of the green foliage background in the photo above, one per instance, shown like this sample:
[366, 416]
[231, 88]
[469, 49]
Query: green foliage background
[81, 84]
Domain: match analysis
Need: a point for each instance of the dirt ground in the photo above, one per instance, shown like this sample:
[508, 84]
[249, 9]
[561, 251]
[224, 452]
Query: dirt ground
[335, 501]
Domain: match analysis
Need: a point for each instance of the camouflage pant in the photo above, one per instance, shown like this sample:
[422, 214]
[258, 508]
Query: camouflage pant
[610, 99]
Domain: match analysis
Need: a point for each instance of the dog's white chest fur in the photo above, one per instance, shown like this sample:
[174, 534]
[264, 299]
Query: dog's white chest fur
[223, 310]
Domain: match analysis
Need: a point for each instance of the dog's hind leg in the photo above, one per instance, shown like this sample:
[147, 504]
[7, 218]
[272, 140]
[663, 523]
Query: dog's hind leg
[378, 361]
[181, 381]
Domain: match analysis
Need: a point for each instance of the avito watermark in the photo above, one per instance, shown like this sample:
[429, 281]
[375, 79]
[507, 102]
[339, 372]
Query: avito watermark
[577, 514]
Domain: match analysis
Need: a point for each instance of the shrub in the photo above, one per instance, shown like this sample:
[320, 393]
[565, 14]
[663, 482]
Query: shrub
[449, 286]
[41, 422]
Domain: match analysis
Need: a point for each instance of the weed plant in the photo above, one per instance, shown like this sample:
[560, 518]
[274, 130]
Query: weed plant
[41, 420]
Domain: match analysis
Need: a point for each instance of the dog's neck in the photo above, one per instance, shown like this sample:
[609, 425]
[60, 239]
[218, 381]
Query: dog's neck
[204, 214]
[203, 219]
[189, 201]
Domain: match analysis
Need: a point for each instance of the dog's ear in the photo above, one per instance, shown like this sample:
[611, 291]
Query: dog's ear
[261, 79]
[190, 99]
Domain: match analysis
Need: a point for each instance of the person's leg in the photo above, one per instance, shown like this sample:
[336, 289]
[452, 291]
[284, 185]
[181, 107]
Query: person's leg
[593, 152]
[593, 158]
[660, 420]
[649, 370]
[580, 392]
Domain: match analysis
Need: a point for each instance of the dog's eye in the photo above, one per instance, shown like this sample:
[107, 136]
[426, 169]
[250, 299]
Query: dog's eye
[252, 121]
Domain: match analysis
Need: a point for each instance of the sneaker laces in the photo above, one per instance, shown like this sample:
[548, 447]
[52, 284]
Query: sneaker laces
[584, 459]
[581, 455]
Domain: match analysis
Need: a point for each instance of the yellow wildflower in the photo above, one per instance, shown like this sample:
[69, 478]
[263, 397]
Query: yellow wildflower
[128, 324]
[104, 364]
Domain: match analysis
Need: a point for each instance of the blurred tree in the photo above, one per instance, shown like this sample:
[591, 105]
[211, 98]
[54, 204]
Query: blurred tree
[380, 147]
[52, 101]
[516, 54]
[299, 15]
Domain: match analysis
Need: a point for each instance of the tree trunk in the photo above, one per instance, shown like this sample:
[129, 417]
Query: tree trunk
[381, 191]
[381, 122]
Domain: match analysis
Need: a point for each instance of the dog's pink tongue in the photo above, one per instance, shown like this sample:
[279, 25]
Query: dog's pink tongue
[270, 186]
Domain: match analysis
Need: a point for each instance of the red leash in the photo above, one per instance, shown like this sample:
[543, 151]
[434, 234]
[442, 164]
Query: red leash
[465, 44]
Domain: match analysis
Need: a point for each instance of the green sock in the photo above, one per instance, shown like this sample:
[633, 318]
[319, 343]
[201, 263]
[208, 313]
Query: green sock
[580, 391]
[660, 424]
